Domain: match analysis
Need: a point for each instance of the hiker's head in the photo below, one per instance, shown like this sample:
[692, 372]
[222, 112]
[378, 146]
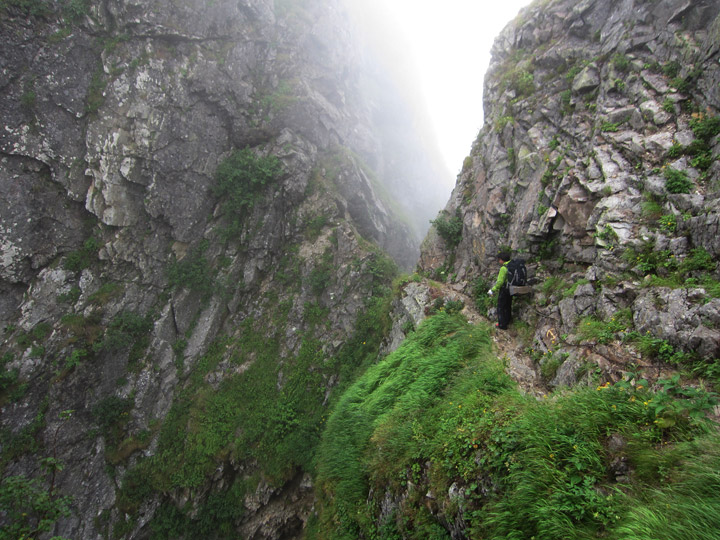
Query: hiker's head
[503, 256]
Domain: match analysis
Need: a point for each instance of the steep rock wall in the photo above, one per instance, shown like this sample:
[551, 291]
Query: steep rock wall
[161, 336]
[598, 164]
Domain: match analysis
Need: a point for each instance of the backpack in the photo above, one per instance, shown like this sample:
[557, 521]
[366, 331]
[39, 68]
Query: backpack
[517, 273]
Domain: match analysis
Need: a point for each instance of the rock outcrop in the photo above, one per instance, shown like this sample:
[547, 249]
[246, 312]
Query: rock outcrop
[199, 199]
[598, 164]
[135, 289]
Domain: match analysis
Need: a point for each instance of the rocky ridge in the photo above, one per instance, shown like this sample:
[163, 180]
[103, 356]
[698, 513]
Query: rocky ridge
[178, 362]
[134, 291]
[598, 164]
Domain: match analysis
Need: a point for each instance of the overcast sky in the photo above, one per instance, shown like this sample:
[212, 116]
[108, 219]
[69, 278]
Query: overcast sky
[450, 42]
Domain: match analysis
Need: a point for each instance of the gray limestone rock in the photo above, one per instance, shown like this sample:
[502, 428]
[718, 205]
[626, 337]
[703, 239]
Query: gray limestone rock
[678, 317]
[113, 132]
[112, 136]
[603, 143]
[588, 79]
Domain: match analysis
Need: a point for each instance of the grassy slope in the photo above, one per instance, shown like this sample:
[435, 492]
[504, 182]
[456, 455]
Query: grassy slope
[440, 430]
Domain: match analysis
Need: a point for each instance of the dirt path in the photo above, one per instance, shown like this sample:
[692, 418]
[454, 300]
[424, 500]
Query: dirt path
[507, 344]
[611, 361]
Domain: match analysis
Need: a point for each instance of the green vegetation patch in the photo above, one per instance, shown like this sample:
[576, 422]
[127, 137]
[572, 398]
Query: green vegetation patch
[106, 292]
[127, 331]
[389, 395]
[558, 478]
[8, 377]
[265, 408]
[314, 226]
[246, 417]
[36, 8]
[621, 62]
[241, 181]
[610, 126]
[111, 414]
[677, 181]
[439, 425]
[71, 10]
[82, 258]
[84, 331]
[706, 129]
[698, 266]
[28, 507]
[214, 519]
[449, 228]
[604, 331]
[95, 96]
[320, 276]
[688, 507]
[194, 272]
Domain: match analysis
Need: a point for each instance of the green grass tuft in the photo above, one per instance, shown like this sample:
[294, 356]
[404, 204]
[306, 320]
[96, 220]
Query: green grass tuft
[382, 404]
[439, 425]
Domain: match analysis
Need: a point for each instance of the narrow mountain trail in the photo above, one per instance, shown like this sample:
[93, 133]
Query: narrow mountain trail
[608, 363]
[508, 345]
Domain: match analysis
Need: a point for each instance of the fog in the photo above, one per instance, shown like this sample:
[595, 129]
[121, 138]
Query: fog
[445, 47]
[427, 61]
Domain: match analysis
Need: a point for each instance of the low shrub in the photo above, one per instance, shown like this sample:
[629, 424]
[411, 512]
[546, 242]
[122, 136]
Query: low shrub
[604, 331]
[8, 377]
[111, 415]
[609, 126]
[668, 222]
[78, 260]
[705, 127]
[677, 181]
[621, 62]
[29, 508]
[483, 302]
[521, 81]
[126, 328]
[699, 260]
[241, 180]
[450, 229]
[657, 348]
[194, 272]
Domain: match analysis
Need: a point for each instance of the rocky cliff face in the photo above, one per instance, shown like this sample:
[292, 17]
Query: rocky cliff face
[598, 164]
[196, 197]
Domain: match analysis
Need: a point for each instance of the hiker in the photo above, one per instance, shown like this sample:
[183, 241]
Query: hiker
[502, 289]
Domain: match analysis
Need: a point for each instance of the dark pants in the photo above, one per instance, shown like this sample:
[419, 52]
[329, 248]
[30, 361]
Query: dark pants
[504, 307]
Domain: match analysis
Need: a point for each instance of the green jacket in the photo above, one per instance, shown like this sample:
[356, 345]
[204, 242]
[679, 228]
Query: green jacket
[502, 278]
